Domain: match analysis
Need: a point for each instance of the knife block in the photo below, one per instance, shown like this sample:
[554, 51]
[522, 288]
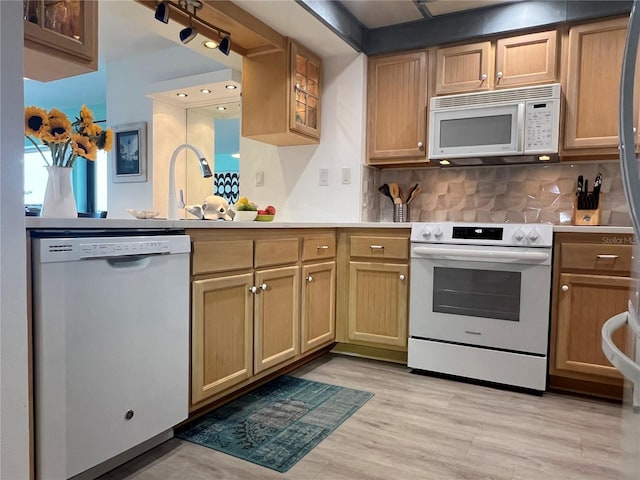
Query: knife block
[587, 217]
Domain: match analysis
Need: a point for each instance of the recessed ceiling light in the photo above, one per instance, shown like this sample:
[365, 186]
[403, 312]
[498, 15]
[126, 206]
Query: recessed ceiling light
[235, 155]
[182, 94]
[205, 90]
[230, 87]
[221, 108]
[210, 44]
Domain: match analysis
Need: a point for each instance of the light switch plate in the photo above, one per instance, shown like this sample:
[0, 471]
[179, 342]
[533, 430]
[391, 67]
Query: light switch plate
[260, 179]
[324, 177]
[346, 175]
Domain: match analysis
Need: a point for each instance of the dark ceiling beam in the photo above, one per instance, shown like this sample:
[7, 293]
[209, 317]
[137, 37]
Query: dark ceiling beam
[338, 19]
[458, 27]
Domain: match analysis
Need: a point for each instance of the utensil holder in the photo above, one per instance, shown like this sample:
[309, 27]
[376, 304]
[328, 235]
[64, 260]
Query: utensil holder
[400, 212]
[587, 217]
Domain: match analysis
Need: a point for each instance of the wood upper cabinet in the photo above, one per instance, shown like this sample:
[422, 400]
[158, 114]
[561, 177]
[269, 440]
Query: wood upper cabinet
[516, 61]
[60, 38]
[397, 108]
[221, 334]
[591, 284]
[281, 96]
[592, 86]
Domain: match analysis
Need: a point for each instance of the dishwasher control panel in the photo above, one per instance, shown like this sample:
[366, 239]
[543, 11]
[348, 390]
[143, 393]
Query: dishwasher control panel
[72, 249]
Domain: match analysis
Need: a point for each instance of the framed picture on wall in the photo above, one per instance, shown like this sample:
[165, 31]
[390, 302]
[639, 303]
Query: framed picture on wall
[130, 152]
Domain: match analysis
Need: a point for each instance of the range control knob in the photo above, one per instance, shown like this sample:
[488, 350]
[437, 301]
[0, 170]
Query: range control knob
[426, 232]
[437, 232]
[533, 235]
[518, 234]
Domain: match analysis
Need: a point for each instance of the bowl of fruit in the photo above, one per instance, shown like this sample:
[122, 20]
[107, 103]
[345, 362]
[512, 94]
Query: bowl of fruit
[266, 214]
[245, 211]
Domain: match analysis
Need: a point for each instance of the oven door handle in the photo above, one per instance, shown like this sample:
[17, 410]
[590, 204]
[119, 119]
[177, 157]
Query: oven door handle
[480, 255]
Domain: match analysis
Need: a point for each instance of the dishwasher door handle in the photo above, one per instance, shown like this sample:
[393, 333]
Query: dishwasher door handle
[124, 258]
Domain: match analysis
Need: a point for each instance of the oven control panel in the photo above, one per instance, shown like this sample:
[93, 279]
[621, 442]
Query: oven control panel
[466, 233]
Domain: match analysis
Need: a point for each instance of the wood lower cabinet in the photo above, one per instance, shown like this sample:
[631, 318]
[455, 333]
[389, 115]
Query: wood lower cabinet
[397, 108]
[378, 303]
[221, 333]
[276, 316]
[318, 305]
[60, 38]
[591, 284]
[592, 87]
[373, 293]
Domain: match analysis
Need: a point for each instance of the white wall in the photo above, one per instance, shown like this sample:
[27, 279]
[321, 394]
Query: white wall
[291, 174]
[14, 412]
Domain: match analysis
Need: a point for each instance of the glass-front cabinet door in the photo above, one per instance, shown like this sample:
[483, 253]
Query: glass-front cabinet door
[60, 38]
[305, 102]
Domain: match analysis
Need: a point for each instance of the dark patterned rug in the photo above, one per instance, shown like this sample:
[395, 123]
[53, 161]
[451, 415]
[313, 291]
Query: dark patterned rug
[278, 423]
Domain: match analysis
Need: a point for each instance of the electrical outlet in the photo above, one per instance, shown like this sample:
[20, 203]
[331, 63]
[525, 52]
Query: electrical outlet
[324, 177]
[260, 179]
[346, 175]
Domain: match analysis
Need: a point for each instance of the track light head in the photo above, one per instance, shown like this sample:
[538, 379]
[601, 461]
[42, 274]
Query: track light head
[225, 45]
[162, 12]
[187, 34]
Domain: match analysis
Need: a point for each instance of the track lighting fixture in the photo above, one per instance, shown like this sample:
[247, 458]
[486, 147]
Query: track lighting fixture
[187, 34]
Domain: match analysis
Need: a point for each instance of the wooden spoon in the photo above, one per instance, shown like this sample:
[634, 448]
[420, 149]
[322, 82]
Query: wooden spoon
[395, 192]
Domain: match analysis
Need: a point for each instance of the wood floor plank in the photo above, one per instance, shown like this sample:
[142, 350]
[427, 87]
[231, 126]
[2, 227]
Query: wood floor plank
[428, 428]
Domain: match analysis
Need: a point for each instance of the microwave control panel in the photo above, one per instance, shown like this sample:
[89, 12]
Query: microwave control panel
[541, 126]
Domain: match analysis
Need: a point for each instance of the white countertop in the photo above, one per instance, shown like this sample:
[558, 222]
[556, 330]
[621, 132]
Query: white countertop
[125, 223]
[592, 229]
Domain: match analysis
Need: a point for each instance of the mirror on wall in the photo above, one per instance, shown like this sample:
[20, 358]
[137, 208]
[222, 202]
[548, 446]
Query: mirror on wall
[216, 130]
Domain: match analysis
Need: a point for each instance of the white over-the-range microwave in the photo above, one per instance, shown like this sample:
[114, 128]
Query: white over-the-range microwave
[510, 126]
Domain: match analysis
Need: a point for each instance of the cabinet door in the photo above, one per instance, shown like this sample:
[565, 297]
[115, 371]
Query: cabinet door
[378, 297]
[304, 116]
[397, 107]
[318, 305]
[221, 334]
[593, 84]
[526, 59]
[277, 314]
[60, 38]
[464, 68]
[585, 302]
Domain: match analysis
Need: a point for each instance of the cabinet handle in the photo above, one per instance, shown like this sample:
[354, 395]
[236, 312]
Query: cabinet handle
[483, 77]
[376, 247]
[322, 247]
[603, 256]
[420, 145]
[402, 278]
[565, 288]
[499, 75]
[309, 279]
[263, 286]
[253, 289]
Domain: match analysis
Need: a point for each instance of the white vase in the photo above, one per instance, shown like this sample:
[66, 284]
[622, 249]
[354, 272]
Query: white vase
[59, 201]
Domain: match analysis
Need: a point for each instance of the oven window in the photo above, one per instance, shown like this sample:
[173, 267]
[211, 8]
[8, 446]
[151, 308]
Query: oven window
[477, 293]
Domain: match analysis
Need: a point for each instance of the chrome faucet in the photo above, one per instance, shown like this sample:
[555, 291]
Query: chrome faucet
[172, 208]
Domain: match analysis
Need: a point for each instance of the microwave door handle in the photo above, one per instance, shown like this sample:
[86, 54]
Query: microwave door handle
[520, 128]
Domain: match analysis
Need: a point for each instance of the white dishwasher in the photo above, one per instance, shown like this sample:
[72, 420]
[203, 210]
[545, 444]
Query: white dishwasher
[111, 345]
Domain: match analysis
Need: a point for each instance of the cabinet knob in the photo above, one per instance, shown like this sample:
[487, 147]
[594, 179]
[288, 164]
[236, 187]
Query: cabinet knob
[309, 278]
[128, 415]
[565, 288]
[499, 75]
[402, 278]
[483, 77]
[263, 286]
[253, 289]
[420, 144]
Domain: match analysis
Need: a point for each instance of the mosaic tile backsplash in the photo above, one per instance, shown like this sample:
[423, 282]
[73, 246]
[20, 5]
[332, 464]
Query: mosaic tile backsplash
[518, 194]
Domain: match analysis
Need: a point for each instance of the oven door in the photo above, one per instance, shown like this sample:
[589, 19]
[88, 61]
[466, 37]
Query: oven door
[496, 297]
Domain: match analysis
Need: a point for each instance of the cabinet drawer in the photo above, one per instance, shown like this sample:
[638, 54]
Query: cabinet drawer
[379, 247]
[276, 251]
[317, 248]
[222, 255]
[586, 256]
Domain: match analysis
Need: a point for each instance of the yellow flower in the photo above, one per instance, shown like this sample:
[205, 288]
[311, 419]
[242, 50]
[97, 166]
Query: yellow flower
[35, 121]
[83, 147]
[86, 116]
[59, 129]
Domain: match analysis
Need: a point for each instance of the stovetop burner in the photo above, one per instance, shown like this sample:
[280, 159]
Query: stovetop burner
[470, 233]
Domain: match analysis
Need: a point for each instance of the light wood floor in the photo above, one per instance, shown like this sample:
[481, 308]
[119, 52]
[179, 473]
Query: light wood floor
[421, 427]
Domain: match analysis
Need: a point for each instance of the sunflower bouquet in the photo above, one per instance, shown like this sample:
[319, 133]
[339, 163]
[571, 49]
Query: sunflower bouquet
[66, 140]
